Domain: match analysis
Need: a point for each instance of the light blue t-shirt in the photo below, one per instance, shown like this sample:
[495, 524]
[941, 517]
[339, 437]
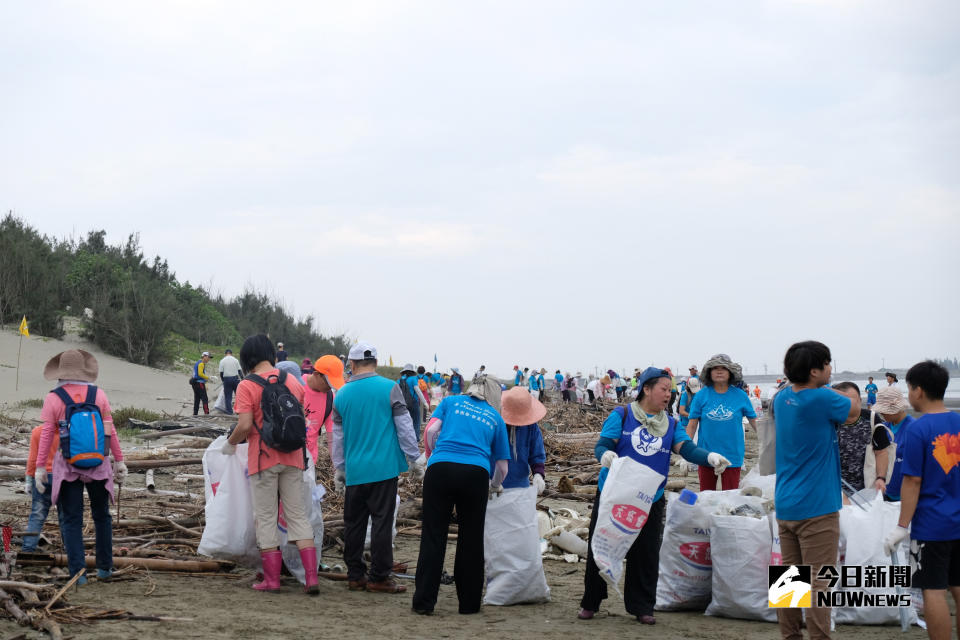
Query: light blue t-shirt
[517, 378]
[534, 383]
[808, 454]
[472, 433]
[932, 453]
[871, 390]
[721, 421]
[559, 378]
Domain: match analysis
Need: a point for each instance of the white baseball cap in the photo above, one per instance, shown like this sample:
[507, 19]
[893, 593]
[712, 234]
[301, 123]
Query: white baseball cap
[362, 351]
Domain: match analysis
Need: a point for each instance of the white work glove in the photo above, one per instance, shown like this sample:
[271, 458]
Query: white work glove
[417, 467]
[40, 477]
[30, 484]
[228, 449]
[539, 483]
[340, 481]
[894, 538]
[119, 472]
[718, 462]
[495, 490]
[607, 458]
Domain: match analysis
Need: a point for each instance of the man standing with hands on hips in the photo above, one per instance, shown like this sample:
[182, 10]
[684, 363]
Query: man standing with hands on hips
[373, 443]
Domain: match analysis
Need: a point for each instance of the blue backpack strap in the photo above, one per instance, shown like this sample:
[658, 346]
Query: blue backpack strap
[91, 394]
[61, 393]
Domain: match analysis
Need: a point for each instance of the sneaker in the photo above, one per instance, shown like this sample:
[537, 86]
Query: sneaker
[586, 614]
[646, 620]
[104, 574]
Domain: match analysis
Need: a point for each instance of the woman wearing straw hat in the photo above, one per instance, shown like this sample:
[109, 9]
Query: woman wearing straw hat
[75, 371]
[464, 434]
[717, 414]
[892, 407]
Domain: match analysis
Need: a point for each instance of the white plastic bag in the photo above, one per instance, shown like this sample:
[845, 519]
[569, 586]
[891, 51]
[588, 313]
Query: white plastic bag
[767, 484]
[511, 547]
[864, 532]
[312, 497]
[623, 510]
[230, 532]
[221, 403]
[740, 548]
[685, 563]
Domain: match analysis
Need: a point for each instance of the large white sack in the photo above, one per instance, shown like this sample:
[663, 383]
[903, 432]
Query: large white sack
[312, 497]
[864, 532]
[221, 402]
[511, 548]
[767, 484]
[740, 548]
[685, 564]
[230, 532]
[623, 510]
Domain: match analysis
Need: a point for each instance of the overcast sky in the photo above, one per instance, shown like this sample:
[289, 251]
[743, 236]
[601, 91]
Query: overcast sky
[555, 184]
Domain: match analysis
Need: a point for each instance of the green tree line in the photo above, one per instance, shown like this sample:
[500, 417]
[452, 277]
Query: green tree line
[135, 303]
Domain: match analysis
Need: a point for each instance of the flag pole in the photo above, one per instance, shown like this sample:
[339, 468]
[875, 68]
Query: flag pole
[20, 346]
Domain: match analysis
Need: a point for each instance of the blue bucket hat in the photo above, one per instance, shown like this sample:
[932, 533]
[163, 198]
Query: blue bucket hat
[651, 373]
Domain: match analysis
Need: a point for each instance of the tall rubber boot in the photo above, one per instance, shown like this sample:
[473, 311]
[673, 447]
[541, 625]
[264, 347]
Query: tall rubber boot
[308, 557]
[272, 561]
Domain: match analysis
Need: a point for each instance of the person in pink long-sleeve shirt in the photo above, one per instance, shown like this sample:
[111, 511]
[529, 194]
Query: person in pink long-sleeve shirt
[75, 371]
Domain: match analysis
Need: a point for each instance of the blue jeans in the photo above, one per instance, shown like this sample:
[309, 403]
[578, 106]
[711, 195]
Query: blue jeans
[39, 509]
[229, 387]
[70, 505]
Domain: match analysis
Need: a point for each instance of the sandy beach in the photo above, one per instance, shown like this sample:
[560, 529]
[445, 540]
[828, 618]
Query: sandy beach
[224, 606]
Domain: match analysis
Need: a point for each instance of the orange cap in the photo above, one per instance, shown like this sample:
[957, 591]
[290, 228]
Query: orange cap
[332, 368]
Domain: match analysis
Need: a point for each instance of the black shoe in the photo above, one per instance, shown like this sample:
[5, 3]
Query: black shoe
[422, 612]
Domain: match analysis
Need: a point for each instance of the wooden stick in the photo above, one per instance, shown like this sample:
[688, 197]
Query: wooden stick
[29, 586]
[178, 527]
[151, 485]
[175, 432]
[173, 462]
[64, 588]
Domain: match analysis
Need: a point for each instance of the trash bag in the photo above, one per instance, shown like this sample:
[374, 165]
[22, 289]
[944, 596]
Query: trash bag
[230, 532]
[740, 549]
[511, 547]
[864, 532]
[767, 484]
[366, 539]
[313, 494]
[623, 510]
[685, 564]
[221, 403]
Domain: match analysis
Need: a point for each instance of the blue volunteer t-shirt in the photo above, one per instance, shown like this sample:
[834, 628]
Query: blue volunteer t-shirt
[517, 378]
[932, 453]
[871, 390]
[559, 379]
[684, 420]
[808, 454]
[534, 383]
[472, 433]
[899, 437]
[721, 421]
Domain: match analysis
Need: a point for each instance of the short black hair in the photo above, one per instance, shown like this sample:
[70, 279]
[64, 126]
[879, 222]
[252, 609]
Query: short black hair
[802, 357]
[931, 377]
[846, 385]
[421, 370]
[228, 351]
[255, 350]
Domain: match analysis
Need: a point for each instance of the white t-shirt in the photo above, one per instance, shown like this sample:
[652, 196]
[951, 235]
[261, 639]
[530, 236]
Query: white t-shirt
[229, 367]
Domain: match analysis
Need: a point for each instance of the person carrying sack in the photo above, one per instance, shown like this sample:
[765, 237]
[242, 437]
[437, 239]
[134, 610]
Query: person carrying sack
[268, 404]
[645, 432]
[80, 413]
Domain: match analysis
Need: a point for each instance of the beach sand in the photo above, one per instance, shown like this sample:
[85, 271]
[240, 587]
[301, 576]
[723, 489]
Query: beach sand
[226, 607]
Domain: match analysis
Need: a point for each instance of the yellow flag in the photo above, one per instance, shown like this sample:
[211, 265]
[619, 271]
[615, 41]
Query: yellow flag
[391, 361]
[23, 327]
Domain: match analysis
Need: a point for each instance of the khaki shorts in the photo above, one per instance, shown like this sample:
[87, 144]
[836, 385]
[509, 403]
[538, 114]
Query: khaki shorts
[286, 483]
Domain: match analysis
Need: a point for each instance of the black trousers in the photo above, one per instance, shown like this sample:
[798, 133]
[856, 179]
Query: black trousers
[445, 486]
[200, 394]
[376, 501]
[643, 567]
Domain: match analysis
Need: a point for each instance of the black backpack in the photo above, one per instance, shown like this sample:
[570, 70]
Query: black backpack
[284, 427]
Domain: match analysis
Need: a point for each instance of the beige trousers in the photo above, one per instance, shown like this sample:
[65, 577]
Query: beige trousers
[286, 483]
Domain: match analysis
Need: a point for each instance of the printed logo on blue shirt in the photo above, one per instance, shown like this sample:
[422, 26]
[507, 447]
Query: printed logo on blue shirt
[720, 413]
[644, 442]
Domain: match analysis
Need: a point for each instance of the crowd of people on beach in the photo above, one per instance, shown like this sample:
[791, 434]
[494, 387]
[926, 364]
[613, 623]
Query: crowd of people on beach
[468, 442]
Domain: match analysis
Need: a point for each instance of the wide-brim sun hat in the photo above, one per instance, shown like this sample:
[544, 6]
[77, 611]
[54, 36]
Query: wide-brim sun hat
[332, 369]
[519, 408]
[73, 364]
[408, 367]
[721, 360]
[693, 385]
[890, 401]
